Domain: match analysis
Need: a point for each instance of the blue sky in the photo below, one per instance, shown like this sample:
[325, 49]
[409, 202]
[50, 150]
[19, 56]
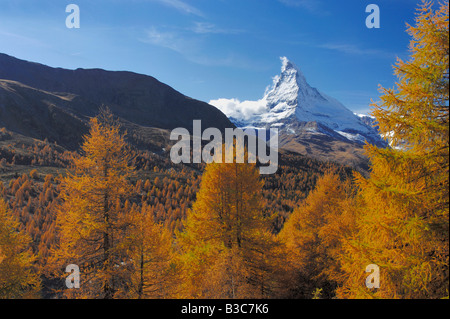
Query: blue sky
[210, 49]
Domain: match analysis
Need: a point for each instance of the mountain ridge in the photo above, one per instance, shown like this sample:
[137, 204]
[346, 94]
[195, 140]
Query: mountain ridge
[56, 103]
[135, 97]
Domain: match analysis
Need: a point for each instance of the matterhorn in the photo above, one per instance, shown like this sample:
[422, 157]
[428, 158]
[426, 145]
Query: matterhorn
[309, 121]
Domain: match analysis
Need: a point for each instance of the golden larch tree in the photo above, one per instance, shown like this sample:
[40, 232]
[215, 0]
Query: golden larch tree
[152, 260]
[404, 226]
[19, 277]
[314, 235]
[91, 220]
[227, 249]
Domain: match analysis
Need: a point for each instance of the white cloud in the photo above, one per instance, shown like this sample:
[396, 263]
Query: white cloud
[182, 6]
[21, 38]
[209, 28]
[352, 49]
[315, 7]
[173, 40]
[240, 110]
[193, 47]
[168, 40]
[307, 4]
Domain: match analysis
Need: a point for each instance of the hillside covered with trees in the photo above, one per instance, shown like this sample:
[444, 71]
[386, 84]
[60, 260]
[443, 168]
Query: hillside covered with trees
[139, 226]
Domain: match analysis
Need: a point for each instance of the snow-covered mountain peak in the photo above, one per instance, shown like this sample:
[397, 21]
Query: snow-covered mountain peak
[289, 68]
[291, 88]
[286, 86]
[289, 100]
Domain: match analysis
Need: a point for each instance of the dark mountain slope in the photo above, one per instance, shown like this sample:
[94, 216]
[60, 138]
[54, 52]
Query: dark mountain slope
[137, 98]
